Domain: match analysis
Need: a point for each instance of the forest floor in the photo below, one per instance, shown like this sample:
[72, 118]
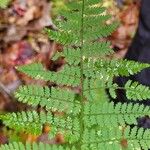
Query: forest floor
[23, 41]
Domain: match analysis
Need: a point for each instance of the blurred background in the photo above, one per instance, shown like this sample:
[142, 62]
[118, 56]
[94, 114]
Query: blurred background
[23, 41]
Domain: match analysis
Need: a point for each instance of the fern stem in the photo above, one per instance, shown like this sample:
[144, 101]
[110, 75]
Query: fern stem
[81, 71]
[81, 49]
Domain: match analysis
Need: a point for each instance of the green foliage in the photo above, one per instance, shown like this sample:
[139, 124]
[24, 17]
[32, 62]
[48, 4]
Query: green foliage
[121, 67]
[68, 76]
[135, 91]
[57, 5]
[34, 146]
[30, 121]
[109, 139]
[103, 139]
[54, 99]
[86, 118]
[4, 3]
[119, 114]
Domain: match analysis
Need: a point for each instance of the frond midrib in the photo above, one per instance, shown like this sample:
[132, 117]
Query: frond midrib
[82, 75]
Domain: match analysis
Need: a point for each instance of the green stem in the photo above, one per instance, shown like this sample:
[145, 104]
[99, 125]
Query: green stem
[81, 49]
[81, 72]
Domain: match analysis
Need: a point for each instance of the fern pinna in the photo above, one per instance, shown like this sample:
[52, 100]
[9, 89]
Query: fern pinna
[88, 120]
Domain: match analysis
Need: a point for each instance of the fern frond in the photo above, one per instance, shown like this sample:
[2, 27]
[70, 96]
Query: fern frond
[69, 29]
[92, 51]
[96, 21]
[67, 76]
[94, 33]
[33, 146]
[136, 91]
[116, 139]
[63, 37]
[119, 114]
[53, 99]
[71, 22]
[68, 126]
[30, 121]
[71, 55]
[96, 50]
[94, 10]
[87, 120]
[111, 139]
[111, 86]
[122, 67]
[94, 2]
[74, 5]
[94, 90]
[98, 69]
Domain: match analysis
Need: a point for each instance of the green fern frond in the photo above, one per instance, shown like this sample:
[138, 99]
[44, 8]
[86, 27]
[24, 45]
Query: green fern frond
[67, 76]
[96, 50]
[92, 51]
[94, 33]
[65, 38]
[111, 86]
[53, 98]
[87, 120]
[95, 21]
[94, 89]
[116, 139]
[95, 10]
[101, 68]
[68, 126]
[92, 3]
[71, 55]
[33, 146]
[30, 122]
[119, 114]
[69, 29]
[136, 91]
[122, 67]
[111, 139]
